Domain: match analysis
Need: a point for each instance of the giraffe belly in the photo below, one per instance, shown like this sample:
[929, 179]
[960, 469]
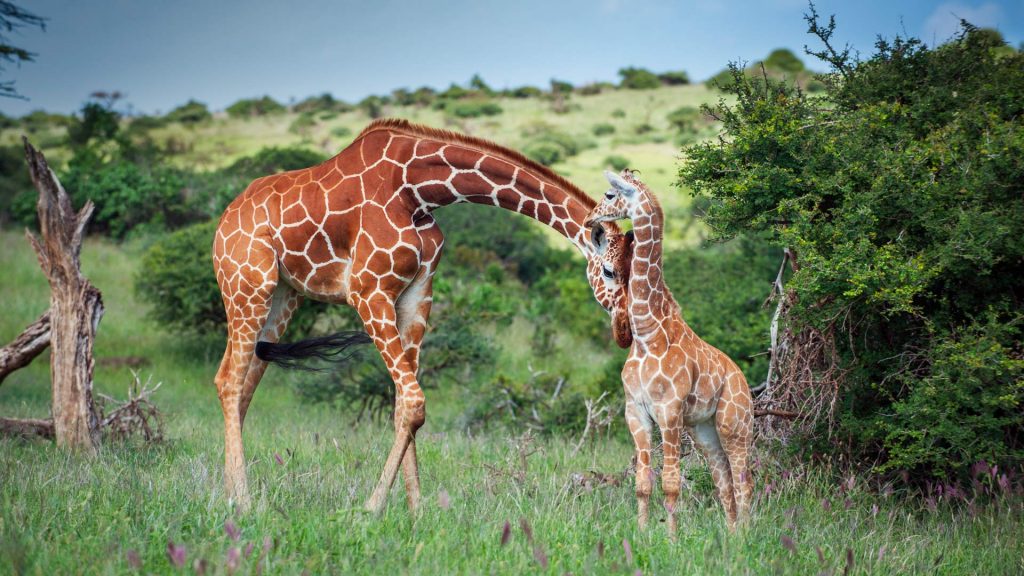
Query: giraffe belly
[326, 282]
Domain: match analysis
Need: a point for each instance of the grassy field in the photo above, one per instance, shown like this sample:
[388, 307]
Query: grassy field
[311, 468]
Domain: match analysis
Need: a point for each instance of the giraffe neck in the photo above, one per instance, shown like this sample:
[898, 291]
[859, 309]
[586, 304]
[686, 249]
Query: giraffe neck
[457, 173]
[650, 300]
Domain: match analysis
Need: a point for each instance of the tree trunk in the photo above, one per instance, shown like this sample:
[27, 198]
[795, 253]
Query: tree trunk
[27, 346]
[75, 308]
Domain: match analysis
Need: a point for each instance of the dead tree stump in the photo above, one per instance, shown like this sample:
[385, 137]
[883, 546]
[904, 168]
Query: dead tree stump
[75, 308]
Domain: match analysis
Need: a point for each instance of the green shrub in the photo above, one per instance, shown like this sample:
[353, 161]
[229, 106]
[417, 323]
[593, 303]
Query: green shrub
[909, 262]
[618, 113]
[251, 107]
[561, 87]
[616, 162]
[685, 118]
[783, 60]
[15, 183]
[526, 92]
[603, 129]
[192, 112]
[303, 125]
[176, 279]
[547, 153]
[341, 131]
[638, 79]
[324, 103]
[677, 78]
[128, 195]
[273, 160]
[644, 128]
[373, 106]
[97, 122]
[473, 108]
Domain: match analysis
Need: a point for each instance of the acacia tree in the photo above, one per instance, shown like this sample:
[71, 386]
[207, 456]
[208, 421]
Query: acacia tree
[13, 17]
[898, 194]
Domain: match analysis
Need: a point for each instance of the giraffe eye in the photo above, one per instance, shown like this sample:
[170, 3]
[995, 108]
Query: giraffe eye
[607, 272]
[609, 195]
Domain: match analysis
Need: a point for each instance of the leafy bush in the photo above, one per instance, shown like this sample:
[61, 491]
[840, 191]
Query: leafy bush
[97, 122]
[14, 183]
[322, 103]
[616, 162]
[273, 160]
[192, 112]
[677, 78]
[547, 153]
[341, 132]
[638, 79]
[784, 60]
[303, 125]
[685, 118]
[618, 113]
[595, 88]
[373, 106]
[526, 92]
[251, 107]
[473, 108]
[561, 87]
[603, 129]
[40, 120]
[128, 195]
[177, 280]
[899, 191]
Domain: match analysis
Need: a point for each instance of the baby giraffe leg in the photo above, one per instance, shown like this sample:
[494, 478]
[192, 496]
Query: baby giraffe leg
[640, 429]
[735, 422]
[705, 437]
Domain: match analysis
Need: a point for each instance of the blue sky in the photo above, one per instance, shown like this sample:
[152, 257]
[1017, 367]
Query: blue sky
[163, 53]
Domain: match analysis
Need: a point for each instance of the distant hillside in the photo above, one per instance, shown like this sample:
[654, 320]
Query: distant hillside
[642, 123]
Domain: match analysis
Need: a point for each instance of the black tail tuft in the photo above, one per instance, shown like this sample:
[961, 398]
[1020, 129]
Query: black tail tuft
[334, 349]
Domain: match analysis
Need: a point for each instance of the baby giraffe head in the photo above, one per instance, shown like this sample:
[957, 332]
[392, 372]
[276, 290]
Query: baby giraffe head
[615, 253]
[619, 202]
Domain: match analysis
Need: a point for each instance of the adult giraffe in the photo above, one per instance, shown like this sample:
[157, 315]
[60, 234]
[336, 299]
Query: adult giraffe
[357, 229]
[672, 377]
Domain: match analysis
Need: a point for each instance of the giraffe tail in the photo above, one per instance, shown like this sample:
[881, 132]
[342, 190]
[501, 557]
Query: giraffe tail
[334, 349]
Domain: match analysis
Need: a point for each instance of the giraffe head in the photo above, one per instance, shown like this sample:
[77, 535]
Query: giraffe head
[614, 253]
[619, 202]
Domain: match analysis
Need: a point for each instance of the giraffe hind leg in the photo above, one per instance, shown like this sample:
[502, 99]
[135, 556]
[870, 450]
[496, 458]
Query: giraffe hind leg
[705, 438]
[735, 423]
[245, 325]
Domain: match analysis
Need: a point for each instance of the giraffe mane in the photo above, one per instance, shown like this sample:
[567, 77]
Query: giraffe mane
[483, 145]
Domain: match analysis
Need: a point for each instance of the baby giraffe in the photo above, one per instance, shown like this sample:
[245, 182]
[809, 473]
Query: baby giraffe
[671, 376]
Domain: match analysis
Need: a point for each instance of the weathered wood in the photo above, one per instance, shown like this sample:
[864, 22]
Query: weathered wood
[25, 347]
[75, 308]
[26, 427]
[777, 413]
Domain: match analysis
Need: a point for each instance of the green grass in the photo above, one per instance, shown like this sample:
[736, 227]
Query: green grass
[61, 513]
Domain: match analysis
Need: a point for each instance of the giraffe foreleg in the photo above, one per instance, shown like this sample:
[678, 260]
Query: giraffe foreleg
[671, 480]
[640, 429]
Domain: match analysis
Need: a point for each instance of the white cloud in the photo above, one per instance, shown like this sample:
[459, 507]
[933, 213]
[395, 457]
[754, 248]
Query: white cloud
[944, 21]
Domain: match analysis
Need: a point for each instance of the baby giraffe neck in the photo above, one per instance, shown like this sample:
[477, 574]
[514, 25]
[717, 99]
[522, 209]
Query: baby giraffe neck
[649, 300]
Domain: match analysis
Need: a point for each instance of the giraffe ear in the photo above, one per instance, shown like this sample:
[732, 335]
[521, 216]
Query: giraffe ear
[620, 184]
